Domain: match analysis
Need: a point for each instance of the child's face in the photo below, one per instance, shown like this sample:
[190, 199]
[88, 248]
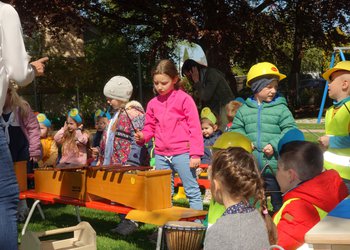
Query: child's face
[207, 129]
[336, 86]
[101, 123]
[163, 83]
[283, 178]
[268, 93]
[43, 131]
[71, 124]
[114, 103]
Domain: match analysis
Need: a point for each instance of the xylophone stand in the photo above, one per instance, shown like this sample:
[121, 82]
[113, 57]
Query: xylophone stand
[37, 204]
[30, 214]
[159, 238]
[77, 212]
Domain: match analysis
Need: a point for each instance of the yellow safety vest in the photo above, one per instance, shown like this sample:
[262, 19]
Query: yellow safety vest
[277, 217]
[338, 125]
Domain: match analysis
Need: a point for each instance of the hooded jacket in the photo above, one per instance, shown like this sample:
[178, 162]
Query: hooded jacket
[264, 124]
[174, 122]
[324, 191]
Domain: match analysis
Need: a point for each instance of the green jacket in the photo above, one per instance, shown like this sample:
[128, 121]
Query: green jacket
[264, 124]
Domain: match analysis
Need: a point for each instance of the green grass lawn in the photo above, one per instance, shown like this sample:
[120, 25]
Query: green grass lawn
[60, 216]
[312, 131]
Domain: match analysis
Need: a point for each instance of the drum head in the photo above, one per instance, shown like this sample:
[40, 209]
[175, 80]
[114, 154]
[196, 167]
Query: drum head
[183, 224]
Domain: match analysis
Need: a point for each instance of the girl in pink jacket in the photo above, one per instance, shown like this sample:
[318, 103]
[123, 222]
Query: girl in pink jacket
[74, 140]
[172, 118]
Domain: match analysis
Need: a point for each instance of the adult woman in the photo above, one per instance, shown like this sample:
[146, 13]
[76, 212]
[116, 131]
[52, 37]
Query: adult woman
[213, 89]
[14, 66]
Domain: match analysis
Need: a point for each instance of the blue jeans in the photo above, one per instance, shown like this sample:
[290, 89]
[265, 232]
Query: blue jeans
[8, 197]
[181, 164]
[272, 188]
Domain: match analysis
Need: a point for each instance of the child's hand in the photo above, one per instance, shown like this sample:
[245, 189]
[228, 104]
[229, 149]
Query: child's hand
[268, 150]
[139, 136]
[65, 126]
[195, 162]
[324, 142]
[35, 158]
[81, 126]
[95, 152]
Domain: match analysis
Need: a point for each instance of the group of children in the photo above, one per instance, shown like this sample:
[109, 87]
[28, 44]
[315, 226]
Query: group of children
[183, 140]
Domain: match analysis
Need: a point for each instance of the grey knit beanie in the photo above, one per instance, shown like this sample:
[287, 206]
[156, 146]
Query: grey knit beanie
[119, 88]
[262, 82]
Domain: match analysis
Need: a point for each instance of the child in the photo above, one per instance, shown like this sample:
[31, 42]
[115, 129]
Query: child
[101, 121]
[337, 138]
[231, 110]
[118, 145]
[210, 133]
[235, 179]
[23, 136]
[173, 120]
[308, 193]
[21, 128]
[264, 118]
[48, 144]
[74, 140]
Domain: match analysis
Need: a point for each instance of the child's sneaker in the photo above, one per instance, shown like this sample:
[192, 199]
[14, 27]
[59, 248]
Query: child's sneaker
[126, 227]
[207, 196]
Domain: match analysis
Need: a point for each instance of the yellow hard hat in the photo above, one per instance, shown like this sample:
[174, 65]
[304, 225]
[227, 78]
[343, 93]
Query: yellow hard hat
[263, 68]
[233, 139]
[343, 65]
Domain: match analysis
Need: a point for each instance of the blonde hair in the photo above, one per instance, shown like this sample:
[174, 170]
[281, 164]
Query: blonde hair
[231, 109]
[237, 171]
[17, 101]
[68, 139]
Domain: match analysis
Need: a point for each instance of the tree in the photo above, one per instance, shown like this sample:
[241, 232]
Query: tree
[228, 31]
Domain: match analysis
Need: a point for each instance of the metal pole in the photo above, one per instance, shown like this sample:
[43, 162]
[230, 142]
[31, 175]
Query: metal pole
[325, 92]
[139, 77]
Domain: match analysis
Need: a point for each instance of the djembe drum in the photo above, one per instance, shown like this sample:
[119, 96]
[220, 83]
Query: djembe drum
[182, 235]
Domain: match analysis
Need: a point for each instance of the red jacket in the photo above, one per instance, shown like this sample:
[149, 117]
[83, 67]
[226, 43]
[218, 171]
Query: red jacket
[324, 191]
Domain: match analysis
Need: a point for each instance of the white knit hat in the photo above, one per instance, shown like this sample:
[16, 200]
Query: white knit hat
[119, 88]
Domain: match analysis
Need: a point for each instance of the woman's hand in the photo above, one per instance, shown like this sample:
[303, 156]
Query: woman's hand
[39, 66]
[194, 74]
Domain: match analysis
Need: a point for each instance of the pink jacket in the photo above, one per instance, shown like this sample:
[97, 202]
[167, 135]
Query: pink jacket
[174, 122]
[71, 157]
[31, 129]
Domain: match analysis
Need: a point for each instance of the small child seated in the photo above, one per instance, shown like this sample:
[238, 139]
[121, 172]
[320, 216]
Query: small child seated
[48, 144]
[73, 139]
[210, 133]
[309, 193]
[235, 179]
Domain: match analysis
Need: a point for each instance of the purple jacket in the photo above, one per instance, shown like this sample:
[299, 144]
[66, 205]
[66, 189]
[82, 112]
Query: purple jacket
[31, 129]
[174, 122]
